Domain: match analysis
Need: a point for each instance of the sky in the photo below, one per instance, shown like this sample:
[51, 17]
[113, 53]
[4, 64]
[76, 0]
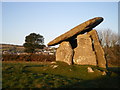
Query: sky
[51, 19]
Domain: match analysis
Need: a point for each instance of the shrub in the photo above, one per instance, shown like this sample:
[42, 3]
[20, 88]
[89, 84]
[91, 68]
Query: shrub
[112, 55]
[32, 57]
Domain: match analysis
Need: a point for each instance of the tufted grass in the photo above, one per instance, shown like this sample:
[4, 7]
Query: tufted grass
[55, 75]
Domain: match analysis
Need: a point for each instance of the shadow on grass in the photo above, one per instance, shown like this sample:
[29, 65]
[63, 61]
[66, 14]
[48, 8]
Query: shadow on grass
[114, 69]
[27, 66]
[111, 80]
[103, 82]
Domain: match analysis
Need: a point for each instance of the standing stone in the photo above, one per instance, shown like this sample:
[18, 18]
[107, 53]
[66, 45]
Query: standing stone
[83, 53]
[98, 49]
[64, 52]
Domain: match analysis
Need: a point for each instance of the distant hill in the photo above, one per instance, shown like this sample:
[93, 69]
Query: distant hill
[9, 46]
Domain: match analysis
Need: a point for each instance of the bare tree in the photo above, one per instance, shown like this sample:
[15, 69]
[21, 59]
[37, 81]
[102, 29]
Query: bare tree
[119, 40]
[114, 39]
[108, 38]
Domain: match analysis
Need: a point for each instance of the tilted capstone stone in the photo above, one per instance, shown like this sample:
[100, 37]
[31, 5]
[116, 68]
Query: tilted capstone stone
[64, 53]
[84, 27]
[100, 57]
[83, 53]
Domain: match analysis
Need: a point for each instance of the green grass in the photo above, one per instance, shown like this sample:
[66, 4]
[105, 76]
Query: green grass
[43, 75]
[74, 71]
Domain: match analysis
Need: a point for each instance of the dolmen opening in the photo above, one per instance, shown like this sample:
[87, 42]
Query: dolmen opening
[81, 45]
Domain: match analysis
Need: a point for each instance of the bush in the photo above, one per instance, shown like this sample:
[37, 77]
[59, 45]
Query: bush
[32, 57]
[112, 55]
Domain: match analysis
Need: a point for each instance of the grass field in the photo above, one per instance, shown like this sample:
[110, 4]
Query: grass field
[56, 75]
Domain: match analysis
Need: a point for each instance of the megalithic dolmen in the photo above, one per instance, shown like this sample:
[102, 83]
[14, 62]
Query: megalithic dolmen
[84, 27]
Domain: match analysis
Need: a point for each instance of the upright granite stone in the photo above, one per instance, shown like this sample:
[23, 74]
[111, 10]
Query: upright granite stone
[83, 53]
[64, 53]
[101, 62]
[84, 27]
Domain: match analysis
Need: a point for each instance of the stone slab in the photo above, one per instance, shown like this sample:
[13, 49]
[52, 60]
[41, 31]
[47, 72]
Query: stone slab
[84, 27]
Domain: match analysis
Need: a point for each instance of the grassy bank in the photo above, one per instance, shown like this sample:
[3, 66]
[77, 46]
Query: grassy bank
[55, 75]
